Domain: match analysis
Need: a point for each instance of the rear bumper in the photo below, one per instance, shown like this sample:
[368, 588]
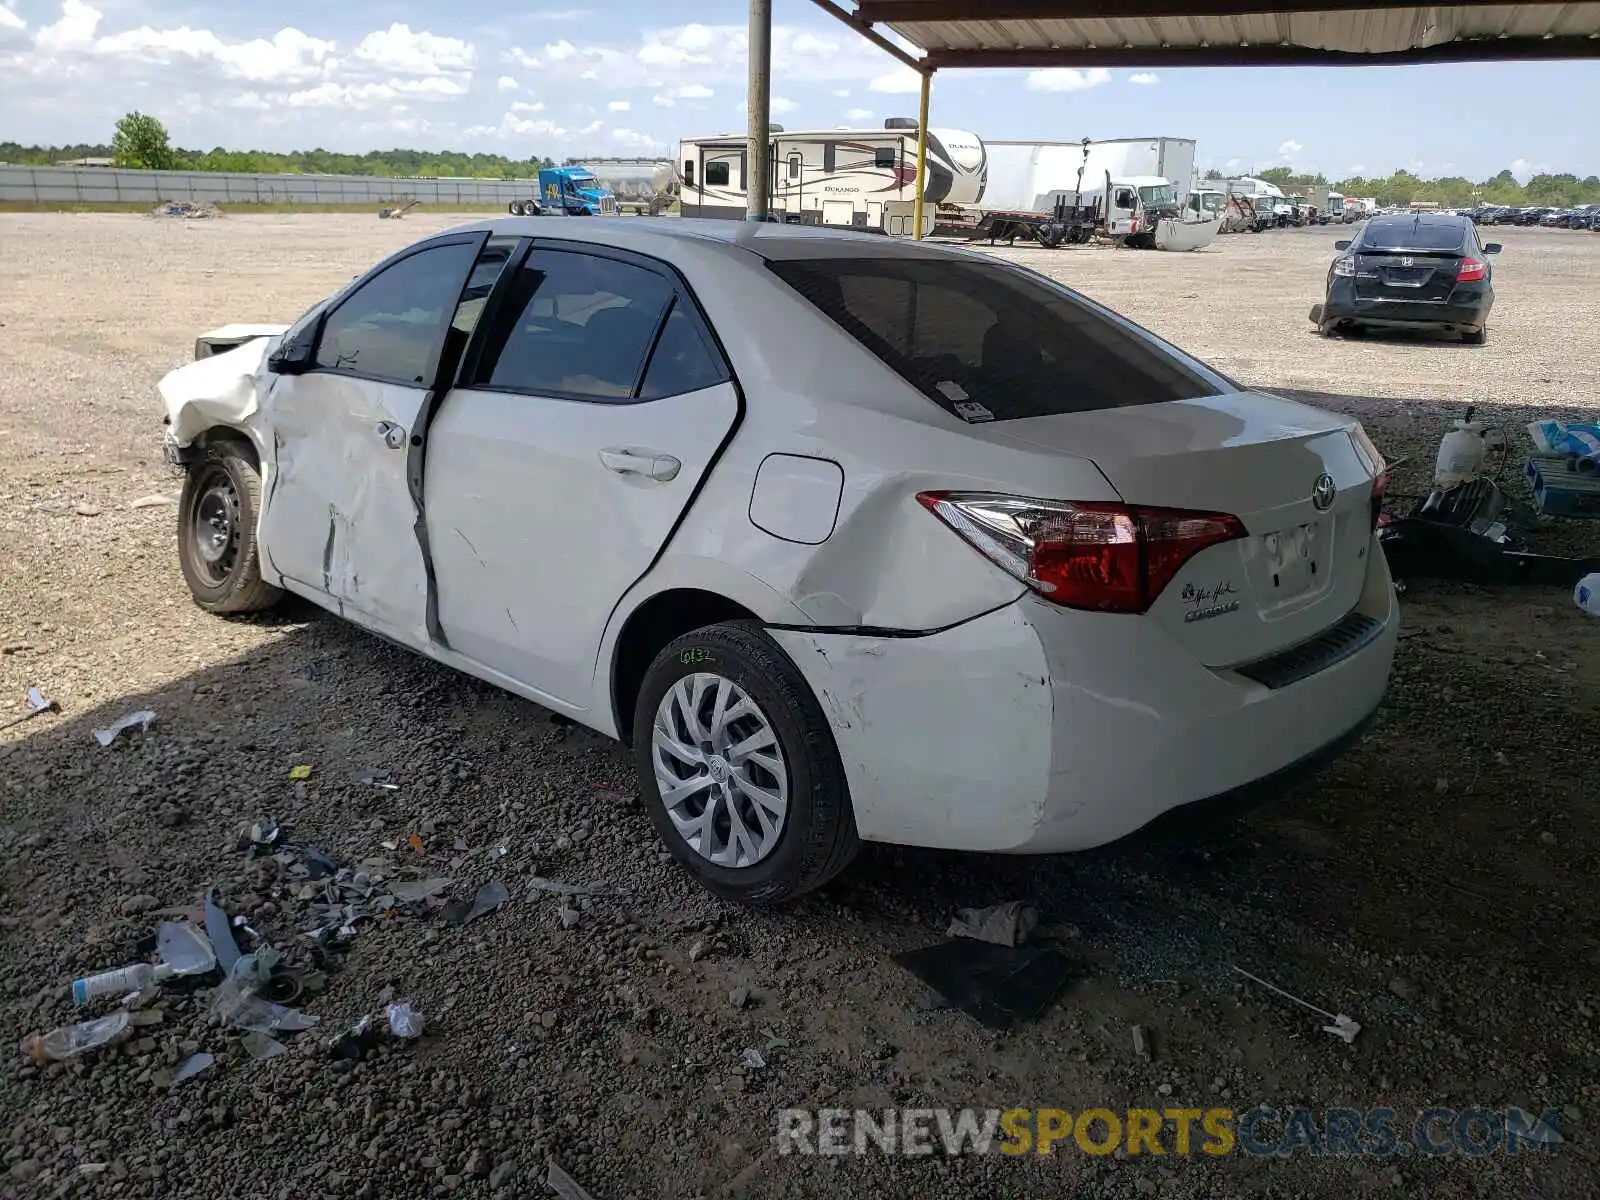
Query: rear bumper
[1036, 729]
[1467, 306]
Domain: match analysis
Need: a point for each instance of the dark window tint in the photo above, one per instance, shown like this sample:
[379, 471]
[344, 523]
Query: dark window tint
[830, 156]
[884, 156]
[682, 362]
[986, 341]
[688, 171]
[484, 272]
[794, 166]
[391, 326]
[575, 325]
[1412, 235]
[716, 174]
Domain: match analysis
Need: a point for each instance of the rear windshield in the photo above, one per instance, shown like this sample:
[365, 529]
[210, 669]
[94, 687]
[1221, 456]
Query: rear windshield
[1412, 235]
[988, 342]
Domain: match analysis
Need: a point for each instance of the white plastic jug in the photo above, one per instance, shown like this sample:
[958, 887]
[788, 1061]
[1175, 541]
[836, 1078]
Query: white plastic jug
[1463, 450]
[1587, 594]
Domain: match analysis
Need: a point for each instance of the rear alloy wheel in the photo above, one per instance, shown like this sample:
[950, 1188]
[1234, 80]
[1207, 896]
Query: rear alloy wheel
[739, 768]
[516, 208]
[1476, 337]
[217, 515]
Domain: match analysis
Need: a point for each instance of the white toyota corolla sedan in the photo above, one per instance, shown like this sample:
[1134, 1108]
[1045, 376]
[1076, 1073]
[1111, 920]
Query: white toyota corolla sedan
[850, 538]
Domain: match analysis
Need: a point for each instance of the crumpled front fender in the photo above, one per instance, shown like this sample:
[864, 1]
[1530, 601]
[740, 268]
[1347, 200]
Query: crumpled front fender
[220, 390]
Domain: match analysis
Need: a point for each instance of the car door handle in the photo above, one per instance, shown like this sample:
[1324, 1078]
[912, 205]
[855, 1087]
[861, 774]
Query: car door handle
[393, 436]
[648, 463]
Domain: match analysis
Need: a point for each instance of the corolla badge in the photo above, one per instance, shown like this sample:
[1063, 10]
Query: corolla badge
[1323, 492]
[1207, 602]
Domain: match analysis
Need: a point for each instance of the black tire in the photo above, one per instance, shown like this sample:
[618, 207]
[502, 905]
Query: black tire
[516, 208]
[1476, 337]
[818, 838]
[227, 475]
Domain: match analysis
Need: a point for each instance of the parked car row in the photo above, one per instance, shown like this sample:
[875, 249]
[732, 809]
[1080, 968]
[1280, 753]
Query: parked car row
[1585, 216]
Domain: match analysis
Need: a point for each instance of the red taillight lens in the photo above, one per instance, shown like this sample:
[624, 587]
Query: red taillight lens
[1133, 225]
[1472, 270]
[1380, 486]
[1095, 556]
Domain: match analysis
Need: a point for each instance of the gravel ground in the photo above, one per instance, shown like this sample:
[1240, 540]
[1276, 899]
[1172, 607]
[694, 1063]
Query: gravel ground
[1436, 884]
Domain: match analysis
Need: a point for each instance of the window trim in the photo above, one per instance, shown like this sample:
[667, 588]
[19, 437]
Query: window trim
[355, 287]
[893, 156]
[727, 172]
[678, 290]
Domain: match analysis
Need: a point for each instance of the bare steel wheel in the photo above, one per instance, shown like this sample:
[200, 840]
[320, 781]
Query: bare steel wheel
[738, 766]
[217, 531]
[720, 769]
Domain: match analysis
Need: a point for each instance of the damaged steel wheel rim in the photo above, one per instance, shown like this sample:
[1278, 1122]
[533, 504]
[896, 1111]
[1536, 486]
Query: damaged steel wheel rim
[215, 528]
[720, 771]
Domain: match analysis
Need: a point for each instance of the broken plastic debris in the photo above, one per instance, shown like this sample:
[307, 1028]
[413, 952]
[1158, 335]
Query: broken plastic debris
[36, 705]
[260, 1047]
[1006, 924]
[490, 897]
[1141, 1045]
[239, 1007]
[221, 934]
[300, 771]
[1342, 1027]
[415, 842]
[752, 1059]
[411, 891]
[141, 719]
[540, 884]
[995, 985]
[192, 1066]
[185, 948]
[265, 832]
[355, 1041]
[405, 1022]
[562, 1184]
[378, 779]
[72, 1040]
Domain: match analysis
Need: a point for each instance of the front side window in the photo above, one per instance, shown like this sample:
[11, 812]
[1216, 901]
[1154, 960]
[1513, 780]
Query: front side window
[1159, 196]
[391, 326]
[574, 325]
[1125, 198]
[984, 334]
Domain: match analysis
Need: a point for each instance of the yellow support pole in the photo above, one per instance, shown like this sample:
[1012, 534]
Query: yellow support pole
[922, 153]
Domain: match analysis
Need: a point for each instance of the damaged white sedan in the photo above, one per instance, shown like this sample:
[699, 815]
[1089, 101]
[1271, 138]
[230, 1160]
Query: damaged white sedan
[851, 539]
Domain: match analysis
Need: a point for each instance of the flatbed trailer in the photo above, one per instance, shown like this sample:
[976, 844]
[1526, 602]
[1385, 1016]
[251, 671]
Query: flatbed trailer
[1068, 225]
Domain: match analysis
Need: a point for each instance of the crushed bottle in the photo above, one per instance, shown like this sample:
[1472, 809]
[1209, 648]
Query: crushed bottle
[72, 1040]
[184, 949]
[405, 1020]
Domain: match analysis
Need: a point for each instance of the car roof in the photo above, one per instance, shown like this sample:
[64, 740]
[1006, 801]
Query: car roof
[660, 236]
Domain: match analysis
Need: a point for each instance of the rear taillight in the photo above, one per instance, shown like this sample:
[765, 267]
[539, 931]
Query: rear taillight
[1380, 487]
[1095, 556]
[1472, 270]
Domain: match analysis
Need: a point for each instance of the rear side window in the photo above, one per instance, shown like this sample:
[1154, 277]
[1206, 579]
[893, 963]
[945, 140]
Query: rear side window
[681, 361]
[576, 325]
[1412, 235]
[987, 342]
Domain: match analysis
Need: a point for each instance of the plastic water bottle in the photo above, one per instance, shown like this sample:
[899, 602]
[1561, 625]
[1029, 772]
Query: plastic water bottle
[72, 1040]
[119, 982]
[1587, 594]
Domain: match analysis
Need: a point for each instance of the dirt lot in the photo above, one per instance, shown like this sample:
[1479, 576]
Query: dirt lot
[1437, 884]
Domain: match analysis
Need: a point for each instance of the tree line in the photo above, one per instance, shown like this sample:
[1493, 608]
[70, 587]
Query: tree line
[141, 140]
[1557, 191]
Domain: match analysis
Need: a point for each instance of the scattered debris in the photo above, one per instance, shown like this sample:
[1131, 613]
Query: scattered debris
[405, 1021]
[1141, 1044]
[140, 720]
[187, 209]
[355, 1041]
[568, 916]
[300, 771]
[539, 884]
[265, 833]
[697, 950]
[751, 1059]
[394, 214]
[993, 984]
[415, 842]
[1586, 595]
[378, 779]
[562, 1184]
[220, 933]
[87, 510]
[1342, 1027]
[72, 1040]
[741, 995]
[36, 705]
[260, 1047]
[1006, 924]
[408, 891]
[153, 501]
[184, 950]
[192, 1066]
[490, 897]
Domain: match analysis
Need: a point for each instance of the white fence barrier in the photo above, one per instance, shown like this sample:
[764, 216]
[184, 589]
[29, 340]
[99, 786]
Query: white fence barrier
[101, 185]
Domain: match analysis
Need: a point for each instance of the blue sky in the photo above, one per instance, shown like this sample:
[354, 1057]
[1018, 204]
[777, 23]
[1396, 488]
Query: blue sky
[568, 77]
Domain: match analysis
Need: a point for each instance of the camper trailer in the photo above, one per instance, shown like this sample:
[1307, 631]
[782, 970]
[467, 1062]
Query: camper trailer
[861, 178]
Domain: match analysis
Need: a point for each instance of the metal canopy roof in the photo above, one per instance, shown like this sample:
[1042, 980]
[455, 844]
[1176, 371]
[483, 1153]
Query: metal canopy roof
[1202, 33]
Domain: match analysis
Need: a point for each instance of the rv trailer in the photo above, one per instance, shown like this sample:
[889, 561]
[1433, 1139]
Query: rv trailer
[858, 178]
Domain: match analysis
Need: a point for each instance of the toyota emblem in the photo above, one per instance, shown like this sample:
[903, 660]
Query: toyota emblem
[1323, 492]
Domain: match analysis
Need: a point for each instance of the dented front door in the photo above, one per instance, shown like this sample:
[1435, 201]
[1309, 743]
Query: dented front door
[339, 519]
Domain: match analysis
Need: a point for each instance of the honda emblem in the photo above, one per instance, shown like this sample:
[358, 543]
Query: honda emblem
[1408, 262]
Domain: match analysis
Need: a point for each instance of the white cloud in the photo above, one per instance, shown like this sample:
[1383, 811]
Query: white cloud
[514, 124]
[1290, 148]
[858, 114]
[289, 57]
[898, 81]
[10, 20]
[560, 51]
[399, 49]
[1066, 79]
[618, 106]
[842, 93]
[1144, 78]
[635, 140]
[74, 31]
[780, 106]
[1523, 170]
[561, 14]
[251, 101]
[522, 58]
[526, 106]
[335, 95]
[1231, 165]
[507, 84]
[689, 91]
[591, 127]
